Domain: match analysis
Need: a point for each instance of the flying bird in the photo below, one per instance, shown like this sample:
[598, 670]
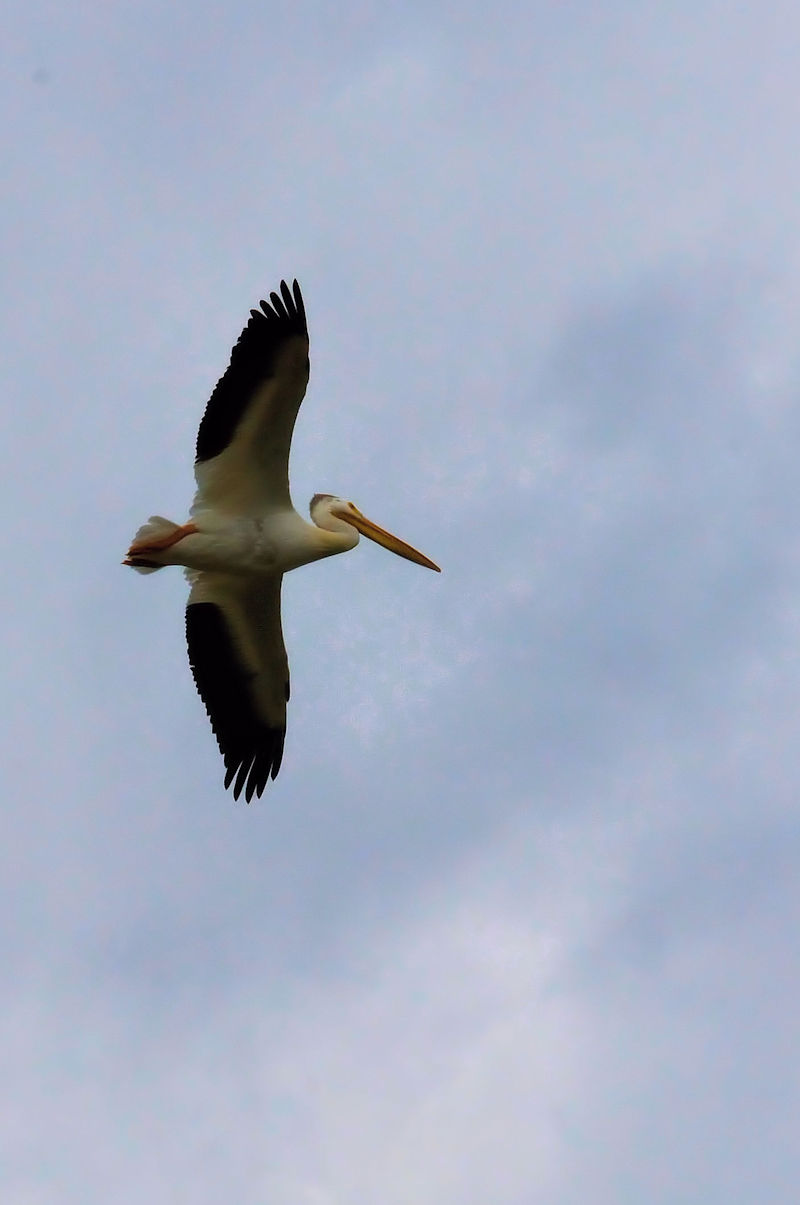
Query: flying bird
[244, 534]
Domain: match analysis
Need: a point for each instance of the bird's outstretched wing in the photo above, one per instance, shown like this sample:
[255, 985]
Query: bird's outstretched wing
[238, 658]
[242, 464]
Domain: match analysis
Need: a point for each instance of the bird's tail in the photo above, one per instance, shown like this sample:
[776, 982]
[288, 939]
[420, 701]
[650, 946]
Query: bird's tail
[155, 533]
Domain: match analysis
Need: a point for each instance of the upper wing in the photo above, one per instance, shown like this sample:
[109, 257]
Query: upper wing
[242, 464]
[237, 655]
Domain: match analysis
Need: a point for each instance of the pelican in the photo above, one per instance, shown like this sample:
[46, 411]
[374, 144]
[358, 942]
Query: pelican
[244, 534]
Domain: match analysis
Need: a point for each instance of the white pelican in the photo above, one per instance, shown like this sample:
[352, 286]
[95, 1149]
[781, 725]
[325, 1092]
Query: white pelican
[244, 534]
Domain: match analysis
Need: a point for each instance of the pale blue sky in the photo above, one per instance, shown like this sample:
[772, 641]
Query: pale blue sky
[517, 923]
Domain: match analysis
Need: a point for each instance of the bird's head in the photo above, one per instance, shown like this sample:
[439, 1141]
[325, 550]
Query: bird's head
[332, 513]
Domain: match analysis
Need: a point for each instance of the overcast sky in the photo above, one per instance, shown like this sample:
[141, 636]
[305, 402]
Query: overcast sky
[518, 922]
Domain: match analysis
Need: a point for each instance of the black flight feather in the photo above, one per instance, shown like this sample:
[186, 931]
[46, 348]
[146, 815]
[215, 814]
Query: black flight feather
[251, 749]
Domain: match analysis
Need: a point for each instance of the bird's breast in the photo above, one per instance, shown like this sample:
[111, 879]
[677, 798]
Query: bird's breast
[252, 546]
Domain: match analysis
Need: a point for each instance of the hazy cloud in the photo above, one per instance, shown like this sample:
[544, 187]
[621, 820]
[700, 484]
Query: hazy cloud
[516, 920]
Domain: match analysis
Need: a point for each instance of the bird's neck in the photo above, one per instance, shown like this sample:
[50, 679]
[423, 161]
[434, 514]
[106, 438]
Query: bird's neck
[342, 540]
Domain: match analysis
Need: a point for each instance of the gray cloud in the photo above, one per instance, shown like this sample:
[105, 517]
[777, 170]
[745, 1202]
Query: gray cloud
[515, 921]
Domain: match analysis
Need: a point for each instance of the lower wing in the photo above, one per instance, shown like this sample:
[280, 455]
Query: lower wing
[238, 659]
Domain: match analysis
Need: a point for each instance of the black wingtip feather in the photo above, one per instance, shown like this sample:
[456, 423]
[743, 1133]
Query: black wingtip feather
[299, 304]
[278, 304]
[252, 751]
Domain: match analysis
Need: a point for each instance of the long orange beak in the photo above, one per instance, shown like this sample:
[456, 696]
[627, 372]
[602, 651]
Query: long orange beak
[354, 517]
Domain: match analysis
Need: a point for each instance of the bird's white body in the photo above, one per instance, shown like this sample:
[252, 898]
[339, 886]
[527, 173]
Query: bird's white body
[244, 534]
[256, 546]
